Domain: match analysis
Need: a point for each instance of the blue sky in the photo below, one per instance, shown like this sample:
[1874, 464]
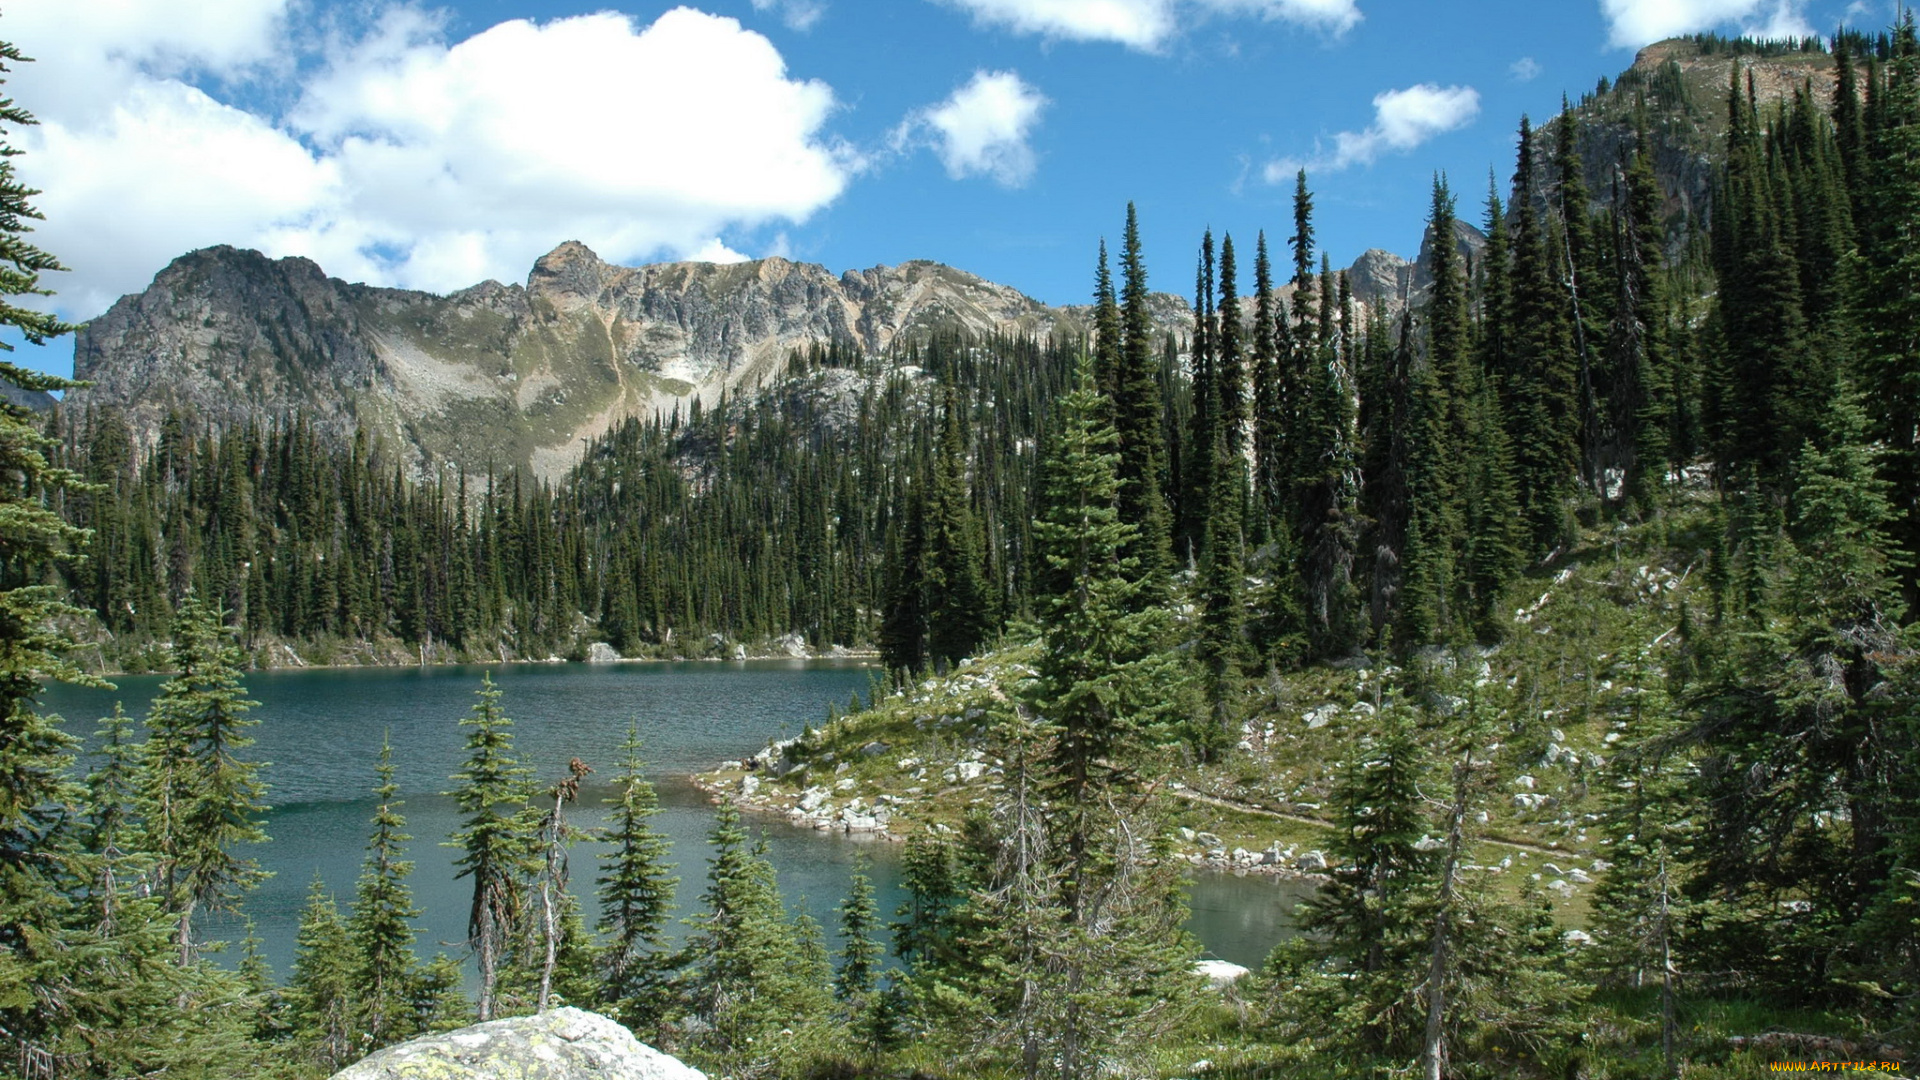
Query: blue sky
[434, 146]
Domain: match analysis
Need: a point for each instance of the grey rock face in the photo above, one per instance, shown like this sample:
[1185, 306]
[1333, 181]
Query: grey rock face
[500, 374]
[560, 1044]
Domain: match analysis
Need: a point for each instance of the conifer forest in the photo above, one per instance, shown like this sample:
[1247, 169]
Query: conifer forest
[1605, 550]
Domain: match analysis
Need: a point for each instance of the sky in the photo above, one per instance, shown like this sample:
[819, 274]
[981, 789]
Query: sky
[433, 146]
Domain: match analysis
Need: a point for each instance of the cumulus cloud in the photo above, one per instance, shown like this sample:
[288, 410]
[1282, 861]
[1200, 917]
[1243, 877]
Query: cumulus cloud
[797, 14]
[981, 129]
[1525, 69]
[1402, 120]
[1148, 24]
[90, 54]
[406, 159]
[1633, 23]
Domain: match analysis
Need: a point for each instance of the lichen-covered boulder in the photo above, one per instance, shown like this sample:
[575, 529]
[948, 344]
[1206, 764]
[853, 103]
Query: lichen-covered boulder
[559, 1044]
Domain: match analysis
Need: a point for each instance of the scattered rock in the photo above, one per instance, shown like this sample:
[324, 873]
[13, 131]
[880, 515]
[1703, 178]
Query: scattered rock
[601, 653]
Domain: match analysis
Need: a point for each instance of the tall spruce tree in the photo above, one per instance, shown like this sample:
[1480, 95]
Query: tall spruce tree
[385, 975]
[1890, 316]
[636, 900]
[322, 995]
[202, 801]
[858, 975]
[34, 752]
[495, 847]
[958, 607]
[1137, 421]
[1540, 380]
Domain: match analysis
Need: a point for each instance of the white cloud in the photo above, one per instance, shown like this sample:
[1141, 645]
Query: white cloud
[1148, 24]
[409, 160]
[89, 54]
[1633, 23]
[1402, 120]
[797, 14]
[1525, 69]
[167, 170]
[982, 129]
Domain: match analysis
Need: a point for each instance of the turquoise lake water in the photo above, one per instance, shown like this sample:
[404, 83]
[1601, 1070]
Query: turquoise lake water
[320, 733]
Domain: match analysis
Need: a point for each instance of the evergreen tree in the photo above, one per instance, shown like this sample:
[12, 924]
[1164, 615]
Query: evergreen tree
[1362, 931]
[751, 977]
[1640, 904]
[1890, 316]
[1101, 679]
[1539, 381]
[1638, 387]
[1435, 445]
[1106, 329]
[958, 609]
[201, 801]
[1137, 421]
[903, 629]
[1199, 484]
[34, 752]
[861, 953]
[636, 899]
[380, 922]
[492, 792]
[1232, 359]
[322, 994]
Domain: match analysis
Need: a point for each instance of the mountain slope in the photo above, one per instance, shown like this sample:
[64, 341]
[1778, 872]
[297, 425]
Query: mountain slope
[506, 375]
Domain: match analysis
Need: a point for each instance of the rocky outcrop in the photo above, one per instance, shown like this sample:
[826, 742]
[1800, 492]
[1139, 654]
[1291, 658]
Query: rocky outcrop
[1683, 86]
[560, 1044]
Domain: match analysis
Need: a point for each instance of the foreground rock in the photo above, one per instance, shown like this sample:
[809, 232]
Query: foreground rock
[560, 1044]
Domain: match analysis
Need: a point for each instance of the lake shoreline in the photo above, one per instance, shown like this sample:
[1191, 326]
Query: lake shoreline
[859, 657]
[724, 786]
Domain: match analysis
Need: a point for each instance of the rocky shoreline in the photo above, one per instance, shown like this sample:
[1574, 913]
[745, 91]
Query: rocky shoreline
[835, 806]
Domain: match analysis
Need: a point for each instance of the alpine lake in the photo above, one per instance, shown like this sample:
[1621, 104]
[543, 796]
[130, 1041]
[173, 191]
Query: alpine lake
[320, 733]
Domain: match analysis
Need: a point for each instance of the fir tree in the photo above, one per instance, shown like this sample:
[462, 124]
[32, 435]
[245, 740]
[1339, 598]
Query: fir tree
[322, 993]
[1640, 903]
[958, 609]
[1137, 421]
[1363, 938]
[861, 953]
[380, 922]
[494, 846]
[750, 977]
[201, 801]
[636, 900]
[1539, 381]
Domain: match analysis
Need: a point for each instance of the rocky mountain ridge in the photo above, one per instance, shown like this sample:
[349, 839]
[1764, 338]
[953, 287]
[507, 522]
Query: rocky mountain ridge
[498, 376]
[501, 375]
